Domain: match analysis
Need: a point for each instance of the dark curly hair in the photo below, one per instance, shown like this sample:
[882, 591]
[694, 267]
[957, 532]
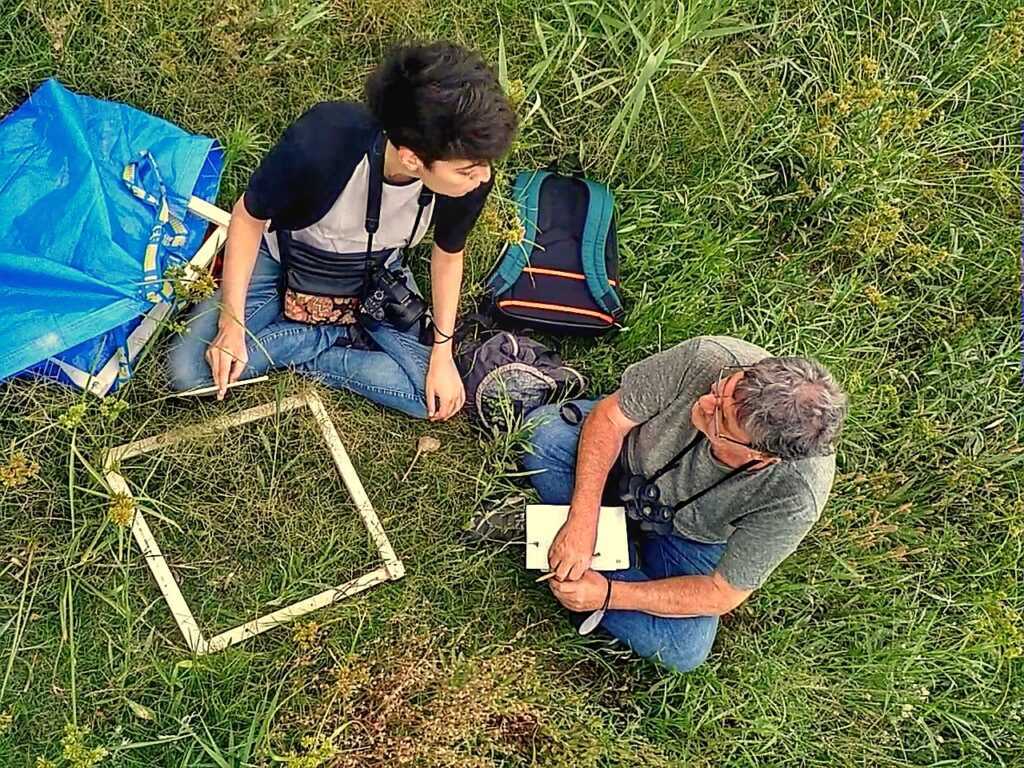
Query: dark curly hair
[442, 102]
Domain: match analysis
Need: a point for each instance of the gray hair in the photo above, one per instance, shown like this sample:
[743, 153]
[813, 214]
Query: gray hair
[791, 407]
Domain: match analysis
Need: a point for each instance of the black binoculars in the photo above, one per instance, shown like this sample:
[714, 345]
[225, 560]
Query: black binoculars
[642, 499]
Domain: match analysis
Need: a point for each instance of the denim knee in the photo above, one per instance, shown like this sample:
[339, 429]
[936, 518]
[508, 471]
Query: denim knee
[186, 364]
[547, 429]
[688, 651]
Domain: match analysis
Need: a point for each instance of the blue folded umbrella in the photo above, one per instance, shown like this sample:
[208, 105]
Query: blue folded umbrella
[93, 211]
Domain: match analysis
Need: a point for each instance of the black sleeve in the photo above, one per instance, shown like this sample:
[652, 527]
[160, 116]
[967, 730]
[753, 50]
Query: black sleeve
[454, 217]
[302, 176]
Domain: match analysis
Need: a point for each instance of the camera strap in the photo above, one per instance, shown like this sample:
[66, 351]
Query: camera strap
[742, 468]
[374, 196]
[676, 460]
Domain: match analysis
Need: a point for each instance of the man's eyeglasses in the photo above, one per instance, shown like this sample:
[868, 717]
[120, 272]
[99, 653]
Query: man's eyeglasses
[723, 376]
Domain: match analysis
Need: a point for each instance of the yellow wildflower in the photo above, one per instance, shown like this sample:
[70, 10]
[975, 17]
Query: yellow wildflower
[111, 409]
[73, 416]
[875, 296]
[868, 66]
[18, 470]
[1007, 44]
[515, 234]
[191, 284]
[122, 509]
[516, 93]
[306, 634]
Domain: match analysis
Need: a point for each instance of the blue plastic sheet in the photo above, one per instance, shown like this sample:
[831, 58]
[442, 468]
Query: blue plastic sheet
[73, 235]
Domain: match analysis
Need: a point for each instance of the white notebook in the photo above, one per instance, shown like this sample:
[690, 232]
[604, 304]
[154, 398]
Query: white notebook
[544, 520]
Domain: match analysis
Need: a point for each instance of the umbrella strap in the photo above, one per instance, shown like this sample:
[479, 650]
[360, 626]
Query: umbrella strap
[143, 179]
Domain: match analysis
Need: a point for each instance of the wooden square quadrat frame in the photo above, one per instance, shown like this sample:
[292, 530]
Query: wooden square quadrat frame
[391, 570]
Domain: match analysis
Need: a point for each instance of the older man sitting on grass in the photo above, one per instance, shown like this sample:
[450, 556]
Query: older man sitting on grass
[723, 456]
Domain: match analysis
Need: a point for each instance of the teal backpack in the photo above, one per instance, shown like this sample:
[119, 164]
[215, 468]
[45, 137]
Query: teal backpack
[563, 277]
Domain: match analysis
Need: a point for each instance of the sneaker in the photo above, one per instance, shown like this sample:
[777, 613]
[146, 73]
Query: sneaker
[503, 524]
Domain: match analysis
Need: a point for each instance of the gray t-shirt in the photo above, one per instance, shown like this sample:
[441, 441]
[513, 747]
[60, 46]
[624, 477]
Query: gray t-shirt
[761, 516]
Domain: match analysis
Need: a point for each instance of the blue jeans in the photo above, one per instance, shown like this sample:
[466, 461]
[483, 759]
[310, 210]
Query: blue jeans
[681, 644]
[393, 374]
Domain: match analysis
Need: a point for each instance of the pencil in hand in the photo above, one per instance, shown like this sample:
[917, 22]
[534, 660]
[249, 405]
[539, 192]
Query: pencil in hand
[551, 575]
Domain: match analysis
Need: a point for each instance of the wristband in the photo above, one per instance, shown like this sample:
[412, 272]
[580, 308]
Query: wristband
[594, 619]
[445, 337]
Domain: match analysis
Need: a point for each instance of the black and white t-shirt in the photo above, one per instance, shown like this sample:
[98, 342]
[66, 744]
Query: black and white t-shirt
[315, 183]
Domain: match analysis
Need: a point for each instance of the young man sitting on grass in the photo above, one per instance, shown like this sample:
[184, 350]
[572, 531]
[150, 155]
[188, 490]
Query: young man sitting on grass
[736, 450]
[435, 118]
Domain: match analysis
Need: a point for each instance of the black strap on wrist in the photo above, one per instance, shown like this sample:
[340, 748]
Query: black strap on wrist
[608, 595]
[445, 337]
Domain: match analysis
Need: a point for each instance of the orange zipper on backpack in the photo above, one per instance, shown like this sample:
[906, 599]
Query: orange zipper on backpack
[560, 273]
[557, 308]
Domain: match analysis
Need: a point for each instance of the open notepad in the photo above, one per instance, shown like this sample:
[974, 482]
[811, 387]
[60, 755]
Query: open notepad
[544, 520]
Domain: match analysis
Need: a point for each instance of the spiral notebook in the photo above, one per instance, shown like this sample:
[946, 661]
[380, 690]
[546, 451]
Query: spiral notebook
[544, 520]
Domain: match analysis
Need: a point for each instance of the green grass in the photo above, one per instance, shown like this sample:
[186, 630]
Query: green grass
[836, 179]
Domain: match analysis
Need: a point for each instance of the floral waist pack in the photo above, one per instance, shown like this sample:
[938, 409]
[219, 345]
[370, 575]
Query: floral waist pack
[321, 287]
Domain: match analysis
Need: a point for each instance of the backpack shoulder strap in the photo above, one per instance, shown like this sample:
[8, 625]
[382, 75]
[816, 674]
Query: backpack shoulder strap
[526, 192]
[600, 207]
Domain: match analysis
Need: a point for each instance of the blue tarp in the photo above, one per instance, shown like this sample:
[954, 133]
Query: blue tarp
[72, 233]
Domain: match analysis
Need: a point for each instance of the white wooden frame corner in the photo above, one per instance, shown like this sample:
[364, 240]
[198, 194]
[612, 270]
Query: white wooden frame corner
[391, 570]
[101, 382]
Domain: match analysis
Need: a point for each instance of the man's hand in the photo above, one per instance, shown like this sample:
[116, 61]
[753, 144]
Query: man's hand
[599, 446]
[445, 391]
[227, 356]
[573, 548]
[584, 594]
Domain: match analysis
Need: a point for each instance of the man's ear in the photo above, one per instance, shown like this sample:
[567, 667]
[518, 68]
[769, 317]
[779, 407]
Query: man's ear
[765, 462]
[410, 160]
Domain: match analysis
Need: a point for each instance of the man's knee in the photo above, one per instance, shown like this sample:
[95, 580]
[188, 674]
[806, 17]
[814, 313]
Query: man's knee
[546, 426]
[679, 644]
[687, 651]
